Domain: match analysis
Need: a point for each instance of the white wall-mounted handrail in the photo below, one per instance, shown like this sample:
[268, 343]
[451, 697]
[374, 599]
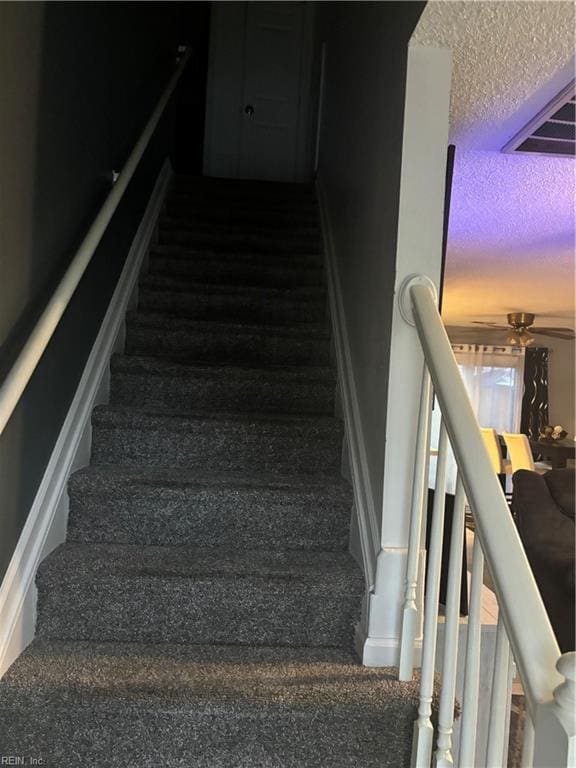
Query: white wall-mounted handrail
[30, 355]
[529, 630]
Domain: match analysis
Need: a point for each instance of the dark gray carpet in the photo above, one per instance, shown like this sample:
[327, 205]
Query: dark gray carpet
[187, 508]
[278, 443]
[176, 338]
[248, 304]
[201, 611]
[217, 707]
[247, 269]
[155, 383]
[188, 595]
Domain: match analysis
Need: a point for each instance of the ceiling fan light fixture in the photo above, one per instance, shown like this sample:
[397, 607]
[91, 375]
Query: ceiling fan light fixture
[520, 338]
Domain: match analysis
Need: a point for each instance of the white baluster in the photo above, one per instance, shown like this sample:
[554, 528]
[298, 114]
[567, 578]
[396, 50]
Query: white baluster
[410, 611]
[511, 675]
[498, 703]
[472, 663]
[423, 739]
[528, 741]
[443, 755]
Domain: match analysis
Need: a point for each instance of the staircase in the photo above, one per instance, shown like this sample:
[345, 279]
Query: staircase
[201, 611]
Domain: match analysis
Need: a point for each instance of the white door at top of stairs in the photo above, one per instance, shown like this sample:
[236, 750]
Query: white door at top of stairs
[258, 86]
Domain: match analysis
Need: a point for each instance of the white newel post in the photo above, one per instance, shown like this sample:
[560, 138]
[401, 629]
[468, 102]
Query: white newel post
[419, 250]
[555, 721]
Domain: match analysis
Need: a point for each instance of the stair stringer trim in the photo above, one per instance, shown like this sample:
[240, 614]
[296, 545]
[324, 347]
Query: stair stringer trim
[362, 486]
[45, 525]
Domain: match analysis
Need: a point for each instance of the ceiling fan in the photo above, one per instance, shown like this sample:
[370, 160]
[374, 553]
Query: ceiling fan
[520, 329]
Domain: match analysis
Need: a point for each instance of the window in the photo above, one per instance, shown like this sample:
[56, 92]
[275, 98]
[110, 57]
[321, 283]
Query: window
[494, 379]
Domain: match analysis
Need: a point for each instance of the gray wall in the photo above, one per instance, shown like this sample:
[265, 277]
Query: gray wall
[77, 82]
[359, 167]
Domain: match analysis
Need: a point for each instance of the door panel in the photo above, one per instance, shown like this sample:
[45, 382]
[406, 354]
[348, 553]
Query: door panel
[273, 53]
[258, 86]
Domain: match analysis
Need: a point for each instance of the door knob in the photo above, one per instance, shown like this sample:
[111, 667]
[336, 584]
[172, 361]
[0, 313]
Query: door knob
[249, 109]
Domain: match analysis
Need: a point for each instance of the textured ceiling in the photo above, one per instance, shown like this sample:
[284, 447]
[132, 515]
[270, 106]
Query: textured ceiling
[512, 222]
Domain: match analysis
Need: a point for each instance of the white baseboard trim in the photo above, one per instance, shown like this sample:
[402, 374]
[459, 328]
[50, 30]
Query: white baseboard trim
[45, 526]
[363, 497]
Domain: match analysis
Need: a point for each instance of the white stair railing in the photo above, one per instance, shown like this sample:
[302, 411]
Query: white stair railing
[524, 639]
[21, 372]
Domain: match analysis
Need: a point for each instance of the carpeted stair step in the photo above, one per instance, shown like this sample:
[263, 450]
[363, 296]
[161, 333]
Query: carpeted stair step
[153, 382]
[243, 211]
[251, 199]
[216, 268]
[242, 189]
[248, 242]
[115, 705]
[296, 293]
[226, 442]
[261, 227]
[182, 507]
[111, 592]
[161, 293]
[238, 206]
[296, 261]
[227, 343]
[205, 213]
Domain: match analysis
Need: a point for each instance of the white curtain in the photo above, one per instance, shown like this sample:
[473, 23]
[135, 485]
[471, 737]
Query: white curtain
[494, 379]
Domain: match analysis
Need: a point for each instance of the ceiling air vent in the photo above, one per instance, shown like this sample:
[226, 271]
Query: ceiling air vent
[552, 131]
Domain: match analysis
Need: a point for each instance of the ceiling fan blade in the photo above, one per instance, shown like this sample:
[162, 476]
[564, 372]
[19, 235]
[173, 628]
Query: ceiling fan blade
[467, 334]
[555, 333]
[491, 325]
[561, 329]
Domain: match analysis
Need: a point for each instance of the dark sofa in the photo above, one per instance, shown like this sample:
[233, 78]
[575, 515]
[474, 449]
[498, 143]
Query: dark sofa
[544, 509]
